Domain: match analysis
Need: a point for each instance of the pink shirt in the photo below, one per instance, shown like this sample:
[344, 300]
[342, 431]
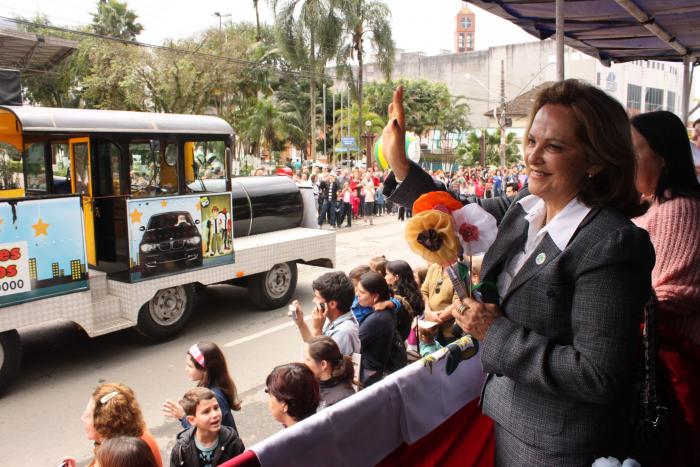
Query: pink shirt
[674, 229]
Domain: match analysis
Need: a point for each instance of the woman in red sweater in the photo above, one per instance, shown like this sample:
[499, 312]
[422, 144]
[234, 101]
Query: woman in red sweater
[666, 177]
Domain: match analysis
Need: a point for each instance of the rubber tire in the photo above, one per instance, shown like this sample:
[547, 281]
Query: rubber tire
[11, 358]
[259, 294]
[152, 330]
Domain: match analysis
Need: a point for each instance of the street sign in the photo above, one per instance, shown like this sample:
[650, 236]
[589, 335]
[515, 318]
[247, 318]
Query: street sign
[347, 140]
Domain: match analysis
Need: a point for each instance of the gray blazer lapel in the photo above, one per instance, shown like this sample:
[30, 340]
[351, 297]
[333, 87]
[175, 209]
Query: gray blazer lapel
[512, 233]
[545, 253]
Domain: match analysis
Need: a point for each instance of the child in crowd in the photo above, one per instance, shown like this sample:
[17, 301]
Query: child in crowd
[206, 364]
[378, 265]
[361, 312]
[207, 443]
[380, 200]
[427, 333]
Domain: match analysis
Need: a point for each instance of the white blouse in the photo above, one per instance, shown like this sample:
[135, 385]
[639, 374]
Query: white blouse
[560, 229]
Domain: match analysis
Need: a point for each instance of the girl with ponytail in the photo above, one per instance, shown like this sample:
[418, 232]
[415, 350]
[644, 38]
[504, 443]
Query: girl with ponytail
[333, 371]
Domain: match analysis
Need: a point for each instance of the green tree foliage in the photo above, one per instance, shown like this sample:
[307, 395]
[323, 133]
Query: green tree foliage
[365, 21]
[113, 18]
[470, 151]
[428, 105]
[308, 32]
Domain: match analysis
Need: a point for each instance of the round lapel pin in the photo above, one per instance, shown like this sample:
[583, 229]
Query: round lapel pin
[540, 258]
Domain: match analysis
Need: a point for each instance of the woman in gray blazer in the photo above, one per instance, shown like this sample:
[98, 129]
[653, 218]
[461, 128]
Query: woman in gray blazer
[559, 339]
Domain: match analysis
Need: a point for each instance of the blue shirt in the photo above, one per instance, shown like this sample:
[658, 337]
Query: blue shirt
[362, 312]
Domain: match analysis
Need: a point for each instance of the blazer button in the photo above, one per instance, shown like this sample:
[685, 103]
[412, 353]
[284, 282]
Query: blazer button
[551, 293]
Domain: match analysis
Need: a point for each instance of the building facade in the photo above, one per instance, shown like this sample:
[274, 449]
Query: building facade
[640, 86]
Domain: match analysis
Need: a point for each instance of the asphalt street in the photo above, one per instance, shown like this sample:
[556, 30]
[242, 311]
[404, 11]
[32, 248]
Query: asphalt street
[40, 420]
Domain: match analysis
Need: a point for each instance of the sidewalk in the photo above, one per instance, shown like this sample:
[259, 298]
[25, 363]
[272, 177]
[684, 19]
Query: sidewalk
[360, 224]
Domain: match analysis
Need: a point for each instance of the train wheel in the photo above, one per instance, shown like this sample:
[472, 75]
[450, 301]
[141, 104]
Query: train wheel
[166, 313]
[274, 288]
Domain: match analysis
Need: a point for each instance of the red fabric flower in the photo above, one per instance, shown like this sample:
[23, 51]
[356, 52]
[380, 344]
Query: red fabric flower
[469, 232]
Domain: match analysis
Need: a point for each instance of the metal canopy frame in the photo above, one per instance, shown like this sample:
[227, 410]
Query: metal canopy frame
[32, 52]
[613, 31]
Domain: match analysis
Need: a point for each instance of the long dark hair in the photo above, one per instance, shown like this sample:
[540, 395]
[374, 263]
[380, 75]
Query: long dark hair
[667, 137]
[216, 372]
[406, 284]
[323, 348]
[376, 284]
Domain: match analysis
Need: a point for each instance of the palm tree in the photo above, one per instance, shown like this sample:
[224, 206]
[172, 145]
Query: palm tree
[257, 20]
[365, 20]
[114, 19]
[268, 126]
[308, 32]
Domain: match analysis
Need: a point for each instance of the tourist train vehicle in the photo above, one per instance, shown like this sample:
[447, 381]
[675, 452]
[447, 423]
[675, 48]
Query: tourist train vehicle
[114, 219]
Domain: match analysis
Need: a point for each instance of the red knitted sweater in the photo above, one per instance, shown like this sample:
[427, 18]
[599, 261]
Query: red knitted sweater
[674, 229]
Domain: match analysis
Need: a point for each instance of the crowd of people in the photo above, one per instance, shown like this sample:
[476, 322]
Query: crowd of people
[345, 195]
[602, 224]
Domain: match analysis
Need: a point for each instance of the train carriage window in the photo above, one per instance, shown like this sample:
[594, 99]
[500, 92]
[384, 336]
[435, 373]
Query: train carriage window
[60, 165]
[207, 170]
[151, 171]
[107, 158]
[35, 166]
[82, 168]
[11, 176]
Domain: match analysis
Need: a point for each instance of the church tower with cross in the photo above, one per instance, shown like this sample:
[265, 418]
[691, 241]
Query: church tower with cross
[464, 30]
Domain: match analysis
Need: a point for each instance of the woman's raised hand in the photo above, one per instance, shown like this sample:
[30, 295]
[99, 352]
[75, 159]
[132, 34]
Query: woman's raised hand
[394, 137]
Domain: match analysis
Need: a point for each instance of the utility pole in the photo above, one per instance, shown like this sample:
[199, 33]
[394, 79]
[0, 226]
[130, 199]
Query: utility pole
[219, 15]
[502, 119]
[325, 126]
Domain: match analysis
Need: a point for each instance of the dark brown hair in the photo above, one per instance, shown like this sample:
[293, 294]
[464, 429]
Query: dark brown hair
[335, 285]
[324, 348]
[216, 373]
[125, 451]
[295, 385]
[376, 284]
[603, 129]
[117, 413]
[193, 397]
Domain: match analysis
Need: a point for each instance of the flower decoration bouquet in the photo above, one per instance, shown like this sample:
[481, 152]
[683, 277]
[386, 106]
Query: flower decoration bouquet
[445, 232]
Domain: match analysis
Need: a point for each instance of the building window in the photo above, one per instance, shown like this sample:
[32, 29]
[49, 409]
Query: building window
[460, 40]
[470, 41]
[466, 22]
[671, 101]
[653, 99]
[634, 97]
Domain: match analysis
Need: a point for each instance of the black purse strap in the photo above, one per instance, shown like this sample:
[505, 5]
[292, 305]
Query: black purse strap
[652, 410]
